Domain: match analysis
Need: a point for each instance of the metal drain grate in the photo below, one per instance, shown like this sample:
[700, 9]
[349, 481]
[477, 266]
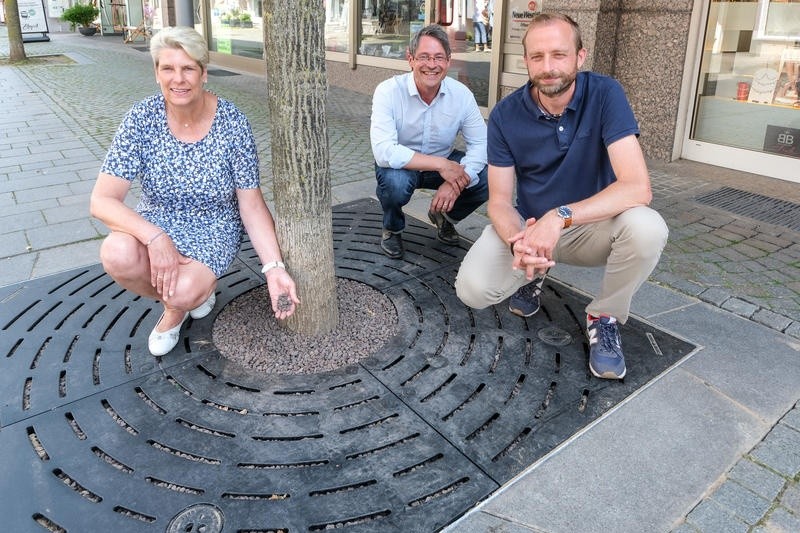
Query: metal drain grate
[97, 435]
[755, 206]
[221, 72]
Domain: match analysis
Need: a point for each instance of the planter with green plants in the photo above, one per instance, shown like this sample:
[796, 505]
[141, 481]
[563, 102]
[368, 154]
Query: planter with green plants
[246, 20]
[82, 15]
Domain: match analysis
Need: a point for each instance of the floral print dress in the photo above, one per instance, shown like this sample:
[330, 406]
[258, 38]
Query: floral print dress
[189, 189]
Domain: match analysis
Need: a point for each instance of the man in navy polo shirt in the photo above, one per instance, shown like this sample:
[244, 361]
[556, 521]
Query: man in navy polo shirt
[571, 141]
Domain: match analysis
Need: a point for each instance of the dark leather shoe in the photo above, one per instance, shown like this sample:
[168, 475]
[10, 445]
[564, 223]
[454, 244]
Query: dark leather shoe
[392, 244]
[445, 231]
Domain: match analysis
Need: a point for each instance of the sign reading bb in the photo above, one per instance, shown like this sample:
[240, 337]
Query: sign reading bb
[782, 140]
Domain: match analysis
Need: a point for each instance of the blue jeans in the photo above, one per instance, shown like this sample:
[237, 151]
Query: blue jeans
[396, 185]
[481, 33]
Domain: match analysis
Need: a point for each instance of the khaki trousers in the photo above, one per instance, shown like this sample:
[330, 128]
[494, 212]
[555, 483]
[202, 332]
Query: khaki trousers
[628, 245]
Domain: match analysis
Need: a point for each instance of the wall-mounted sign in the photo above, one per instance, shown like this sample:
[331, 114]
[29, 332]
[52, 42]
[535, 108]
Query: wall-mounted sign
[520, 13]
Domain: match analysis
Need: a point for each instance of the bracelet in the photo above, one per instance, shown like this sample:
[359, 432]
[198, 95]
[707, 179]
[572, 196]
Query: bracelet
[154, 237]
[269, 266]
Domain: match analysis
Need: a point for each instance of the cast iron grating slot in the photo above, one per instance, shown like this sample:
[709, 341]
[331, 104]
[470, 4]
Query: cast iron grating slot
[407, 440]
[220, 72]
[755, 206]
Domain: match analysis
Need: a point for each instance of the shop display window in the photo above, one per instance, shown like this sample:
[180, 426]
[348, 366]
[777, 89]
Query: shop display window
[388, 25]
[236, 28]
[748, 94]
[337, 17]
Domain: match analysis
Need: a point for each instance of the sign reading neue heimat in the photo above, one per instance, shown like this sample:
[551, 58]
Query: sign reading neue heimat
[32, 17]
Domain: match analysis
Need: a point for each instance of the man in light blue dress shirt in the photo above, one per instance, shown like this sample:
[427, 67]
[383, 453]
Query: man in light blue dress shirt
[416, 118]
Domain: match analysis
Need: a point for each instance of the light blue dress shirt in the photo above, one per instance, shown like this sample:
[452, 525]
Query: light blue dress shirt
[402, 124]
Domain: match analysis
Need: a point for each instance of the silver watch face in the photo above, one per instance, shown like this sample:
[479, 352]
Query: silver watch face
[564, 212]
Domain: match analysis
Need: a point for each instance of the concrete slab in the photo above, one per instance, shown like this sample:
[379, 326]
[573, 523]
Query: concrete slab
[752, 365]
[70, 256]
[648, 461]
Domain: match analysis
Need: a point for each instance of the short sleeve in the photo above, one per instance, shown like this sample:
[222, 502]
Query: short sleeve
[124, 157]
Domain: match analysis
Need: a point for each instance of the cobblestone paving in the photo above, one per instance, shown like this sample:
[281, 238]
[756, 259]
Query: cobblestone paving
[744, 266]
[748, 267]
[761, 493]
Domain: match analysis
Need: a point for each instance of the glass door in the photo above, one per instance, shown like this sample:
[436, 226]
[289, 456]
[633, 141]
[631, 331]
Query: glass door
[746, 112]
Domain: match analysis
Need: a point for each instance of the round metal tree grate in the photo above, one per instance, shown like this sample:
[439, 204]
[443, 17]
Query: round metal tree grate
[97, 435]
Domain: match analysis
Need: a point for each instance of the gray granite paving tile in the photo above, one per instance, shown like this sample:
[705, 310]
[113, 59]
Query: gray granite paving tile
[755, 477]
[42, 192]
[740, 307]
[791, 498]
[715, 295]
[37, 165]
[16, 268]
[741, 502]
[711, 517]
[581, 487]
[485, 523]
[782, 521]
[685, 528]
[59, 259]
[792, 418]
[733, 346]
[61, 234]
[76, 211]
[772, 320]
[21, 221]
[13, 244]
[774, 455]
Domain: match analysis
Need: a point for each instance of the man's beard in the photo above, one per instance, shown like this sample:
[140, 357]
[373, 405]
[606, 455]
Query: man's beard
[554, 90]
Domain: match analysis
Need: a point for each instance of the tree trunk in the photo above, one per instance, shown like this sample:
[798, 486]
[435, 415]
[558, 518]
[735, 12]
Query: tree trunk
[16, 47]
[296, 91]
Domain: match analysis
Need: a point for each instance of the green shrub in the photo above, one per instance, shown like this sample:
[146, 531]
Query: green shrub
[81, 14]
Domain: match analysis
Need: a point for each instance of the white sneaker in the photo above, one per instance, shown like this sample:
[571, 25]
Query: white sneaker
[204, 308]
[162, 342]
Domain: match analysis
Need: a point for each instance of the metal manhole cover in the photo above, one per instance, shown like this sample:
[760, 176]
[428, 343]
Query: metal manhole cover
[97, 435]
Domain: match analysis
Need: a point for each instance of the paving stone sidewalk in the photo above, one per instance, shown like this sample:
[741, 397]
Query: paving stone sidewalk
[56, 121]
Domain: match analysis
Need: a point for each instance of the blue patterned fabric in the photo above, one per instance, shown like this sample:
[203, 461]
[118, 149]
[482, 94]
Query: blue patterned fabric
[189, 189]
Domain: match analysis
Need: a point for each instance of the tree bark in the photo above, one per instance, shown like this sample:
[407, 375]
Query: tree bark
[16, 46]
[296, 92]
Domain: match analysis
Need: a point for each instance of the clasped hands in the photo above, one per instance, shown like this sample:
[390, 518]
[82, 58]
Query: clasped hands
[456, 180]
[533, 247]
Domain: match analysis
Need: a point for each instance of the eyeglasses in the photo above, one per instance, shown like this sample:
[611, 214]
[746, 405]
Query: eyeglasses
[438, 59]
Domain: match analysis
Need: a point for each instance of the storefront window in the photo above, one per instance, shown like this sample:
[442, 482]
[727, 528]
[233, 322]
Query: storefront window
[749, 84]
[337, 16]
[387, 26]
[236, 28]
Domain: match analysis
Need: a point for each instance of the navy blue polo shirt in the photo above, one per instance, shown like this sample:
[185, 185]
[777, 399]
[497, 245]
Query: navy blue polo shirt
[565, 160]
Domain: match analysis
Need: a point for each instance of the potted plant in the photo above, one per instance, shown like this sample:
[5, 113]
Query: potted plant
[82, 15]
[246, 20]
[226, 19]
[235, 18]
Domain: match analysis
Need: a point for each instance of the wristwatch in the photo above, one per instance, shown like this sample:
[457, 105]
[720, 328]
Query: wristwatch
[566, 214]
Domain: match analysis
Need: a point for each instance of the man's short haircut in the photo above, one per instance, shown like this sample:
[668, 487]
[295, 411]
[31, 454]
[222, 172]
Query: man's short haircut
[180, 38]
[542, 19]
[434, 31]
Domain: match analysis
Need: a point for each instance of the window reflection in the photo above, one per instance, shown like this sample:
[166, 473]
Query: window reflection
[387, 26]
[236, 27]
[336, 25]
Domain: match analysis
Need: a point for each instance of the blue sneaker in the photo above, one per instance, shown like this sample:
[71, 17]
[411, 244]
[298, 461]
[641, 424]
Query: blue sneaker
[525, 302]
[605, 348]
